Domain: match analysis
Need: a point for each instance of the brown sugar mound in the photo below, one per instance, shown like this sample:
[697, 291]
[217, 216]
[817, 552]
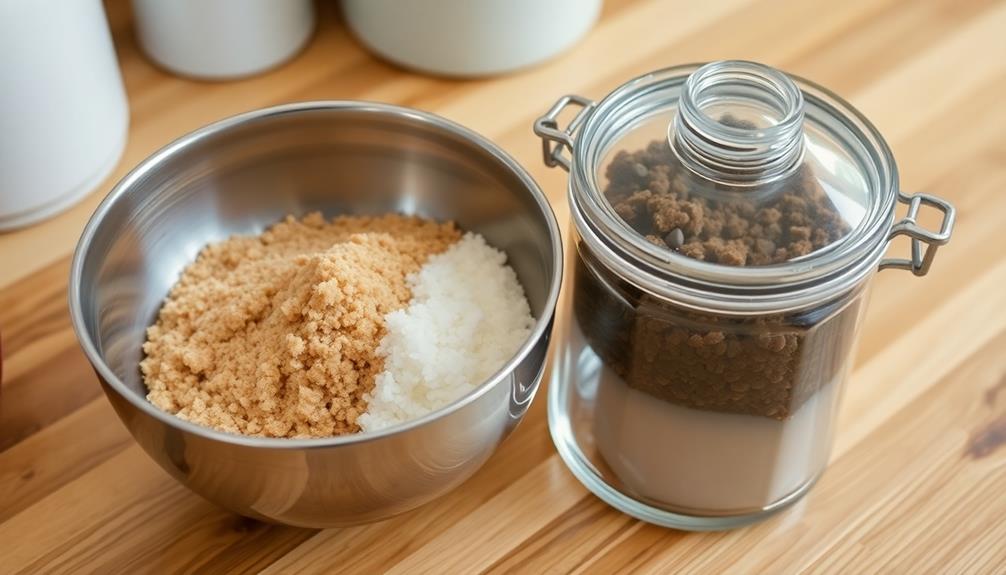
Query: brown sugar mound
[763, 365]
[276, 335]
[649, 189]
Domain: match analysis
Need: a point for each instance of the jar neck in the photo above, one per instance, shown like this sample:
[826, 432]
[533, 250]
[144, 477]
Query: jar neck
[739, 123]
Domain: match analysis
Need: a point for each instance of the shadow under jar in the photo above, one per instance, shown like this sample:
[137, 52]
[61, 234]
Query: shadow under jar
[727, 220]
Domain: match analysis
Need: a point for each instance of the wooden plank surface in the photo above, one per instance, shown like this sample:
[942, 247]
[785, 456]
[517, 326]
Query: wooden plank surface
[917, 482]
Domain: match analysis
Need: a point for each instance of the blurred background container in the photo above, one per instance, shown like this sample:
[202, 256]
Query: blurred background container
[222, 39]
[470, 37]
[63, 110]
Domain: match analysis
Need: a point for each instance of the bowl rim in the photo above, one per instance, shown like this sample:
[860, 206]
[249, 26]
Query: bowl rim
[128, 185]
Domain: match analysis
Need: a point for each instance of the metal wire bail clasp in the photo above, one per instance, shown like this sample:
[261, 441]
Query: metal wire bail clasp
[920, 262]
[548, 129]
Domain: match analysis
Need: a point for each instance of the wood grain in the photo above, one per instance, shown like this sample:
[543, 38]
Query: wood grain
[917, 480]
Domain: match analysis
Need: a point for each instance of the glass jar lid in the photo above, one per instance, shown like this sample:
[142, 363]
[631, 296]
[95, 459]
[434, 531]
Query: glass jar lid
[730, 173]
[732, 182]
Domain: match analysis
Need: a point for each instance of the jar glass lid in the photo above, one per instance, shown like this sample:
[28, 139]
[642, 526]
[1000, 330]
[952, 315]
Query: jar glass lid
[734, 174]
[731, 171]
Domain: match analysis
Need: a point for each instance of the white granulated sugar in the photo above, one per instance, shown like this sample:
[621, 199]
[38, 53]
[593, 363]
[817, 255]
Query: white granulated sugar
[467, 317]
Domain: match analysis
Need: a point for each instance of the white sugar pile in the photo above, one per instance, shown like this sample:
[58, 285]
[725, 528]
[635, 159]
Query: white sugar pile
[467, 317]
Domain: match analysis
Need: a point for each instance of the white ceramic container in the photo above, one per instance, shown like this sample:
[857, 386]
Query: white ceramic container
[470, 38]
[63, 110]
[222, 39]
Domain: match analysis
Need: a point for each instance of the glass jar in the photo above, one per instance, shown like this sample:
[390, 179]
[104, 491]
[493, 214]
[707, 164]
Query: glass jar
[727, 220]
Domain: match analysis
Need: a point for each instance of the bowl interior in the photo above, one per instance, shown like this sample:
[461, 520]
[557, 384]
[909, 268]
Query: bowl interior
[244, 174]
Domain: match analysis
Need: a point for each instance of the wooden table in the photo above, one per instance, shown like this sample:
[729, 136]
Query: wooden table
[918, 478]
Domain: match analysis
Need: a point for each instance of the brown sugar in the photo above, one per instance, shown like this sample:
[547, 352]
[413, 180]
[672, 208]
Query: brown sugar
[650, 191]
[276, 335]
[767, 365]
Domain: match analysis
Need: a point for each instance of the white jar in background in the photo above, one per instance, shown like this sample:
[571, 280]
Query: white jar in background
[63, 110]
[222, 39]
[470, 38]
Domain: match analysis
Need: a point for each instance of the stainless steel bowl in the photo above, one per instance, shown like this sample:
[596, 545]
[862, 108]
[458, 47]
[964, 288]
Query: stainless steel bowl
[242, 174]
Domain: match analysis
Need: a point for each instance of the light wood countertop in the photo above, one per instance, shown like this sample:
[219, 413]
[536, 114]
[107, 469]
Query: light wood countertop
[917, 482]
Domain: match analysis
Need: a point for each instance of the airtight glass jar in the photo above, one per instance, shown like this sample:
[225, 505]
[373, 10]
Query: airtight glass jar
[727, 220]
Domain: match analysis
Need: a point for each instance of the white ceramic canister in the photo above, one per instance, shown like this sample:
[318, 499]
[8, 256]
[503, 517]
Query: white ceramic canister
[63, 110]
[222, 39]
[470, 38]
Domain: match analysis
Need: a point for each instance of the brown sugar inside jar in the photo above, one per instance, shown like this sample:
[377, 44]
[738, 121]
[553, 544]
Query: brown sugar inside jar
[727, 220]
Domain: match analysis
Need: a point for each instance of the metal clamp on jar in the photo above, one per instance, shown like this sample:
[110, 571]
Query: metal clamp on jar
[727, 221]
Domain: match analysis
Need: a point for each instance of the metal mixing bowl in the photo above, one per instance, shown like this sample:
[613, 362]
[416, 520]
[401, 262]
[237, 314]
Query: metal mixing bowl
[241, 175]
